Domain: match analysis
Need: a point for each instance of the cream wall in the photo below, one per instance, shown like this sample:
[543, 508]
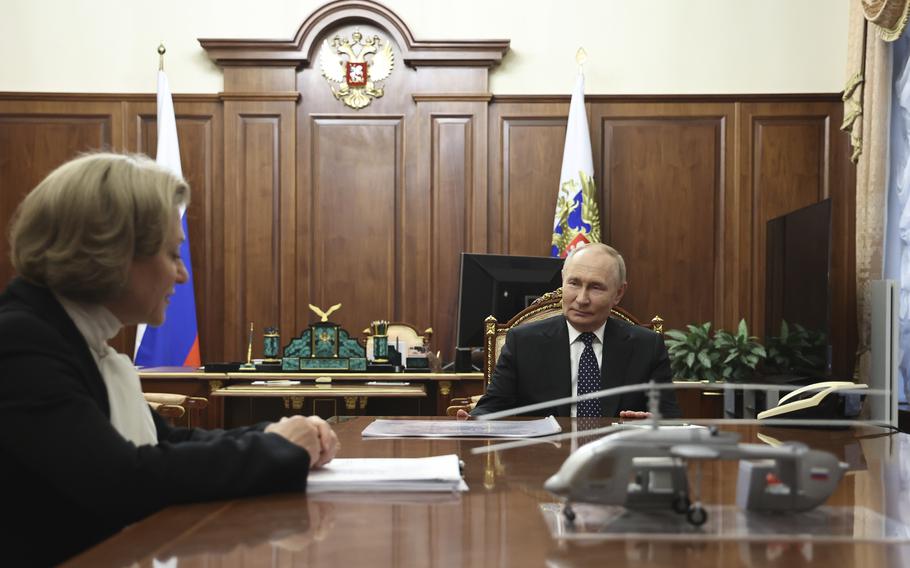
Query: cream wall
[634, 46]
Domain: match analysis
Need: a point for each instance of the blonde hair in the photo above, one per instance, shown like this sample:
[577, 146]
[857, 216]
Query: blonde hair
[78, 231]
[619, 263]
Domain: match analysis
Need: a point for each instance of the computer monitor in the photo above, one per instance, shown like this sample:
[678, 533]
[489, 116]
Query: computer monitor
[797, 290]
[501, 286]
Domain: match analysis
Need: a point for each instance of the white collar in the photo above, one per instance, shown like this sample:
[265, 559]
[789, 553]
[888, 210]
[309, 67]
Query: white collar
[574, 333]
[95, 322]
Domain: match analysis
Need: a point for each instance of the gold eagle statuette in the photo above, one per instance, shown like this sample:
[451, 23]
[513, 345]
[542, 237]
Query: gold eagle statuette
[324, 315]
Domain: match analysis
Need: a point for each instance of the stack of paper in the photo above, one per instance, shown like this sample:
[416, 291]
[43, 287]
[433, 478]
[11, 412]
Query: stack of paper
[382, 428]
[439, 473]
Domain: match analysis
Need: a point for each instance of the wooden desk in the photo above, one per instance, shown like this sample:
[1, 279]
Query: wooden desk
[355, 395]
[430, 395]
[498, 522]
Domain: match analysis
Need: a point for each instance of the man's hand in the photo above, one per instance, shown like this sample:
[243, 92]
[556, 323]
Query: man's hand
[312, 434]
[634, 414]
[462, 414]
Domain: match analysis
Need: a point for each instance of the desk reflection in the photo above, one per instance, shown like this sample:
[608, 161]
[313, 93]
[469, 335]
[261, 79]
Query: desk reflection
[498, 522]
[253, 528]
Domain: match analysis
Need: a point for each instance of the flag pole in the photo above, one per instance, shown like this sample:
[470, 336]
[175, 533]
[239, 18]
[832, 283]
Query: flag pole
[577, 218]
[176, 341]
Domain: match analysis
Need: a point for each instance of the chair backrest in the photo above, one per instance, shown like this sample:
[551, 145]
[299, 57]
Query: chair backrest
[547, 306]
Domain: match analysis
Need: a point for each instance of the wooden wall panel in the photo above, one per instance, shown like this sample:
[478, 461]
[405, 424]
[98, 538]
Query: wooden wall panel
[261, 202]
[686, 188]
[793, 155]
[384, 202]
[453, 186]
[259, 247]
[529, 148]
[789, 161]
[663, 185]
[445, 210]
[37, 137]
[356, 211]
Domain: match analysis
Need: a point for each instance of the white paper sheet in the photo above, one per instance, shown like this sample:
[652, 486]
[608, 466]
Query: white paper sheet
[382, 428]
[438, 473]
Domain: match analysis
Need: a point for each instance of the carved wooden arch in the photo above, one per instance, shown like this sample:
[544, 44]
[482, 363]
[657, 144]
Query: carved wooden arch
[300, 51]
[288, 148]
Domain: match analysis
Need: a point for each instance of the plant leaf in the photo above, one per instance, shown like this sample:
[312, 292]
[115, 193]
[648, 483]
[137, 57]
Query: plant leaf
[705, 359]
[676, 334]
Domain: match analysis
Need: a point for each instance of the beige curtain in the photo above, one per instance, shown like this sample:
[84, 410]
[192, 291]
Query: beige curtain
[867, 105]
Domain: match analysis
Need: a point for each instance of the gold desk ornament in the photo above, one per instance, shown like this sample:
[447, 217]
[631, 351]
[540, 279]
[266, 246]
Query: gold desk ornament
[271, 345]
[357, 76]
[379, 329]
[324, 346]
[324, 315]
[249, 366]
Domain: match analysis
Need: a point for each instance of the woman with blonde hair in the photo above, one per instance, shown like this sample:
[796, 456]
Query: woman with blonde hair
[96, 247]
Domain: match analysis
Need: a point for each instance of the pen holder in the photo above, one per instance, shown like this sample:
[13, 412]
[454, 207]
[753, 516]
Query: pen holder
[271, 340]
[381, 348]
[379, 330]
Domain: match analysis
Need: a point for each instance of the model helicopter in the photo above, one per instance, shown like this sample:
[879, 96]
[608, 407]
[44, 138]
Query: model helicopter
[791, 477]
[646, 468]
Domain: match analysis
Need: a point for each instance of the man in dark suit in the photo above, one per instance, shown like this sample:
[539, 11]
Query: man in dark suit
[583, 350]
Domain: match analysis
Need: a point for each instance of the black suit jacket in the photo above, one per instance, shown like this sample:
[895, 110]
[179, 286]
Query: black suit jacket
[534, 366]
[68, 478]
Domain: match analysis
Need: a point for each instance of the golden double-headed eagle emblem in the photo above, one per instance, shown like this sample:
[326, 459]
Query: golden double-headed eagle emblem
[357, 65]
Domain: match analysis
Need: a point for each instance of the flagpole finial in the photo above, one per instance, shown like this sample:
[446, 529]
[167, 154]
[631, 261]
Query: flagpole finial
[581, 56]
[161, 51]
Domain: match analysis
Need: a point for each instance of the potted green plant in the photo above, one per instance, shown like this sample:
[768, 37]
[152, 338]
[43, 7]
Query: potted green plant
[700, 355]
[722, 356]
[693, 354]
[796, 352]
[741, 353]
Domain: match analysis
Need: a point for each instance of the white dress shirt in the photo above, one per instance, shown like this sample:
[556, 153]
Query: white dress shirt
[576, 346]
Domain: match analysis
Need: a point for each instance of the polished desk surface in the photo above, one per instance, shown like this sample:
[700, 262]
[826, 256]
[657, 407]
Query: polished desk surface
[197, 374]
[498, 522]
[404, 390]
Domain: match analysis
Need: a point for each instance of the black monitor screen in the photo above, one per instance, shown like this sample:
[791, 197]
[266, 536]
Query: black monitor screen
[501, 286]
[797, 289]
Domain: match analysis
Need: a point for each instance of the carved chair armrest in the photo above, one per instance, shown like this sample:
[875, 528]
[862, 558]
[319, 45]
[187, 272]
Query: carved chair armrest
[165, 398]
[196, 403]
[170, 411]
[466, 404]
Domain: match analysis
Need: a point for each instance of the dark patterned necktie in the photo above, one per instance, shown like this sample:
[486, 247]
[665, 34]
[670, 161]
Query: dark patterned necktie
[588, 377]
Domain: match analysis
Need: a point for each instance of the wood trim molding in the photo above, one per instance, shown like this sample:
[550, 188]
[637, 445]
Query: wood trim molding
[423, 97]
[104, 97]
[292, 96]
[707, 98]
[301, 50]
[452, 97]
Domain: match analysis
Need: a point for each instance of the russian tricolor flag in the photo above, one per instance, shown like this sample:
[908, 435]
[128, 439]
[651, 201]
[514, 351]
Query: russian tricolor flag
[176, 342]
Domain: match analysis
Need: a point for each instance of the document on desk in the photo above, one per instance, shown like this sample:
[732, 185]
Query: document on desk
[438, 473]
[382, 428]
